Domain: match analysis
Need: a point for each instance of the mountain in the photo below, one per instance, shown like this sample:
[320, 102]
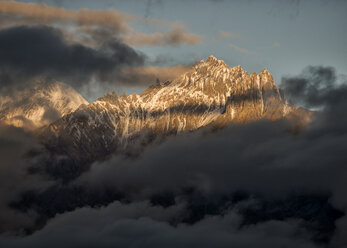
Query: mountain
[210, 94]
[39, 104]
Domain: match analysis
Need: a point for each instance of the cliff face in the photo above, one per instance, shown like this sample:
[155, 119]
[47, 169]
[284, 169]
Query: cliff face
[210, 94]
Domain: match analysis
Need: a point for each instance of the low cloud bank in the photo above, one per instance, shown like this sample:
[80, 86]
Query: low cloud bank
[252, 185]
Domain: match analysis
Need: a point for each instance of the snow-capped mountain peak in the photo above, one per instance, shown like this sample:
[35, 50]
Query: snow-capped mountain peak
[39, 104]
[210, 94]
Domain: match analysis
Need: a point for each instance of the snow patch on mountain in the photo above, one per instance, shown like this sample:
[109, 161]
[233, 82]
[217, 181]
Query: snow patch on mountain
[39, 104]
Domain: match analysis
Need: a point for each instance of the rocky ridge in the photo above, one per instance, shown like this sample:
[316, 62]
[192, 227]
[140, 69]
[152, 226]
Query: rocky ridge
[210, 94]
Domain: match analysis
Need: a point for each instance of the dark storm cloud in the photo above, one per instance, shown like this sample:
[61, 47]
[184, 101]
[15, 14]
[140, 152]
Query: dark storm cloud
[32, 54]
[315, 87]
[15, 145]
[42, 51]
[143, 225]
[320, 87]
[252, 157]
[19, 13]
[259, 157]
[265, 159]
[88, 49]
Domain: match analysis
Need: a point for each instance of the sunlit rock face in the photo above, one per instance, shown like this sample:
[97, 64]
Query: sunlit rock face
[210, 94]
[39, 104]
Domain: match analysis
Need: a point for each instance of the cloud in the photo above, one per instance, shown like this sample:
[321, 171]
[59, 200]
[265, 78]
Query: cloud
[174, 37]
[43, 14]
[15, 147]
[239, 49]
[84, 48]
[47, 55]
[28, 52]
[221, 162]
[144, 75]
[314, 87]
[36, 104]
[117, 23]
[141, 224]
[250, 185]
[263, 158]
[136, 76]
[339, 239]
